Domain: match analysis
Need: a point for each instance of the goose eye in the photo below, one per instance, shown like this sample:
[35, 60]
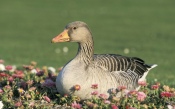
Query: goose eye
[74, 28]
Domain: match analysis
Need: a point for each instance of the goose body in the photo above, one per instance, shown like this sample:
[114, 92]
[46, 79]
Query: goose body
[109, 71]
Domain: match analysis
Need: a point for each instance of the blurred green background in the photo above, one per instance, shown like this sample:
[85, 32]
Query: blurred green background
[144, 29]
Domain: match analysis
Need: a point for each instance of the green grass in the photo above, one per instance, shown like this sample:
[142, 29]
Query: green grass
[146, 28]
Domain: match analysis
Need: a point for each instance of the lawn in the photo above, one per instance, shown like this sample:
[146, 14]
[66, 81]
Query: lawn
[145, 28]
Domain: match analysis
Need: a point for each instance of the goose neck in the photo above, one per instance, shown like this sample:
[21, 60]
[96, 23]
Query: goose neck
[86, 52]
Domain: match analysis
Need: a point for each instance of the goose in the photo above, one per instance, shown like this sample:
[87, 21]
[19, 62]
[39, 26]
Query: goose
[108, 71]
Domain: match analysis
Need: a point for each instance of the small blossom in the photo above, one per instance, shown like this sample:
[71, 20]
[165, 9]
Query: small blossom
[7, 87]
[40, 73]
[23, 84]
[154, 87]
[29, 82]
[2, 67]
[33, 63]
[103, 96]
[1, 61]
[121, 87]
[18, 104]
[3, 74]
[47, 99]
[90, 104]
[76, 105]
[48, 83]
[10, 79]
[21, 91]
[1, 105]
[94, 86]
[1, 91]
[53, 70]
[77, 87]
[115, 98]
[94, 93]
[166, 88]
[133, 92]
[31, 104]
[142, 83]
[166, 94]
[34, 71]
[171, 107]
[27, 96]
[32, 89]
[141, 96]
[114, 106]
[18, 74]
[107, 102]
[8, 67]
[28, 67]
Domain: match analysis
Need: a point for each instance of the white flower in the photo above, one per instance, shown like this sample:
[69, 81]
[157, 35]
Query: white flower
[1, 105]
[13, 68]
[2, 67]
[53, 70]
[34, 71]
[170, 107]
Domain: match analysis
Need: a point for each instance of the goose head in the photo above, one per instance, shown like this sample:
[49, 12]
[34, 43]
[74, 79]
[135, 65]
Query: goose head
[74, 32]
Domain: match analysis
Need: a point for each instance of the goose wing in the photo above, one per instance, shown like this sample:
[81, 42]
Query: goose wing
[113, 62]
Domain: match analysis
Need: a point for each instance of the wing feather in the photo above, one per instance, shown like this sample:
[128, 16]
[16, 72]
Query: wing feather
[114, 62]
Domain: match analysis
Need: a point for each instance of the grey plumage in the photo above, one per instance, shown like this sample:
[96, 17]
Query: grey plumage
[107, 70]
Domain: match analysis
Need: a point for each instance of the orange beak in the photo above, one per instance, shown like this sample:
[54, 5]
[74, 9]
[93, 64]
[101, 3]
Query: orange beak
[62, 37]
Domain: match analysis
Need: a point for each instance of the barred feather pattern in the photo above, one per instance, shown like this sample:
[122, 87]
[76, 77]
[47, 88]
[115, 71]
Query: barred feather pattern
[126, 70]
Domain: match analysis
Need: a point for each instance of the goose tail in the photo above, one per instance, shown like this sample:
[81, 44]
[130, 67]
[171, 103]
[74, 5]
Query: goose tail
[152, 66]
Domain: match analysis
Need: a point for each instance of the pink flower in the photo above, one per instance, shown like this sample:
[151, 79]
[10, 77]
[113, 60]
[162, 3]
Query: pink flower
[1, 61]
[18, 104]
[1, 91]
[29, 82]
[76, 105]
[107, 102]
[18, 74]
[114, 106]
[142, 83]
[8, 67]
[32, 89]
[154, 87]
[77, 87]
[94, 86]
[121, 87]
[31, 104]
[7, 87]
[94, 93]
[141, 96]
[3, 74]
[133, 92]
[10, 79]
[166, 94]
[47, 99]
[48, 83]
[103, 96]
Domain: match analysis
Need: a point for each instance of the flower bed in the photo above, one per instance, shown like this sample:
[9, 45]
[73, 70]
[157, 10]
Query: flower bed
[34, 87]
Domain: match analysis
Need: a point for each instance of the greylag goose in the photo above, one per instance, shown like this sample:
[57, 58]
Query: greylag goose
[109, 71]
